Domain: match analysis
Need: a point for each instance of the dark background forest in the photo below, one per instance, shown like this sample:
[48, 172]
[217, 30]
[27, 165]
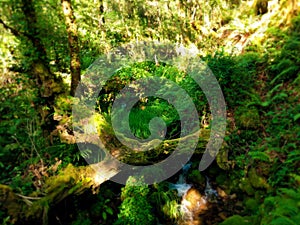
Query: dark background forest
[252, 48]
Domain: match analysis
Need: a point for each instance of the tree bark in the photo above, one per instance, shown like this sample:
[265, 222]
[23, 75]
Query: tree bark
[48, 84]
[70, 181]
[101, 9]
[73, 44]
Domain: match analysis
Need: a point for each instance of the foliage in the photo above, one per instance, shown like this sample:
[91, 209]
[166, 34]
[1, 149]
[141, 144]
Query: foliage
[281, 209]
[149, 107]
[236, 75]
[236, 219]
[20, 142]
[82, 220]
[135, 208]
[165, 201]
[255, 59]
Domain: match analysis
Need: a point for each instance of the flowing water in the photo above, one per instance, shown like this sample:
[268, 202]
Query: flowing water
[193, 203]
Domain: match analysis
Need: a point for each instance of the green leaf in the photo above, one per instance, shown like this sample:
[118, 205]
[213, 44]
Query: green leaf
[104, 215]
[109, 211]
[296, 117]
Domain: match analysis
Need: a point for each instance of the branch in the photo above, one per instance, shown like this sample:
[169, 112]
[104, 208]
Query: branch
[11, 29]
[16, 32]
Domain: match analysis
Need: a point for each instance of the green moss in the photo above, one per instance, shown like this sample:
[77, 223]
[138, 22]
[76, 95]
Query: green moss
[221, 179]
[251, 205]
[10, 202]
[196, 177]
[245, 185]
[257, 181]
[236, 219]
[247, 118]
[222, 159]
[232, 185]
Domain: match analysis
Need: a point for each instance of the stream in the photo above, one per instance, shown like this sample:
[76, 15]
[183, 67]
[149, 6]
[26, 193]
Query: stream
[192, 204]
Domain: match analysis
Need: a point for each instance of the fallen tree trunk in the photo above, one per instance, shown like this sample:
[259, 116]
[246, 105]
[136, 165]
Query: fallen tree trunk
[75, 180]
[71, 181]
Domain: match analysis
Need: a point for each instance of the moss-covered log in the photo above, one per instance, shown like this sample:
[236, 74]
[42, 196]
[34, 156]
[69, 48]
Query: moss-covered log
[75, 180]
[147, 155]
[72, 180]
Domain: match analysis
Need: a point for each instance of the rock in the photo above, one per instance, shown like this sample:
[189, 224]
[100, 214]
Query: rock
[233, 196]
[194, 202]
[221, 193]
[246, 186]
[257, 181]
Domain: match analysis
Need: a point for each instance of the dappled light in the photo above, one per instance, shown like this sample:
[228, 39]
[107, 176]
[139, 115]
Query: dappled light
[149, 112]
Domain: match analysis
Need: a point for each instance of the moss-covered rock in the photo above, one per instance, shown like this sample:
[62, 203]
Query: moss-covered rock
[251, 204]
[231, 185]
[196, 177]
[256, 180]
[246, 186]
[10, 202]
[222, 159]
[221, 179]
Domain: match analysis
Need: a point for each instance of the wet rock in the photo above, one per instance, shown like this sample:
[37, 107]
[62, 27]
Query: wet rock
[221, 193]
[193, 204]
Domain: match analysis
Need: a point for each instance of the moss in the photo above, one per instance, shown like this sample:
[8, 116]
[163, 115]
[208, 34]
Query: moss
[221, 179]
[10, 202]
[246, 186]
[236, 219]
[196, 177]
[247, 118]
[252, 204]
[222, 159]
[232, 185]
[257, 181]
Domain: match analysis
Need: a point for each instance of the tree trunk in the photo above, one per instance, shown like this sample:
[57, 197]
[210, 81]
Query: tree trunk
[101, 10]
[73, 44]
[75, 180]
[49, 85]
[70, 181]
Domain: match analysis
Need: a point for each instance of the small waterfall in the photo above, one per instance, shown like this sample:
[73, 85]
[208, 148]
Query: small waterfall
[182, 176]
[209, 192]
[181, 186]
[193, 203]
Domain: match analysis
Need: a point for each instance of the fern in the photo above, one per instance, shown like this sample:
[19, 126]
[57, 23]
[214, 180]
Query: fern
[283, 209]
[290, 193]
[261, 156]
[293, 157]
[282, 221]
